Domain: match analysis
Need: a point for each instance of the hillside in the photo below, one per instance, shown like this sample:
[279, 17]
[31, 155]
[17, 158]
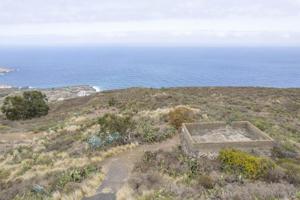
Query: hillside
[39, 156]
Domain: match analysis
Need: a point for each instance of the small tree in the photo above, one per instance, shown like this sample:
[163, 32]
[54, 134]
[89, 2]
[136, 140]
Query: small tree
[31, 104]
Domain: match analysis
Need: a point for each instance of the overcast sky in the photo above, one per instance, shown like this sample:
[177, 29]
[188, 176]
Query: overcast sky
[186, 22]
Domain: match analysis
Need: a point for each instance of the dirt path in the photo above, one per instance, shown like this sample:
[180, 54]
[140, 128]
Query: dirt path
[118, 168]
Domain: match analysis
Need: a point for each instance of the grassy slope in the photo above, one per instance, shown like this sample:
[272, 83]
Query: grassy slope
[60, 136]
[277, 111]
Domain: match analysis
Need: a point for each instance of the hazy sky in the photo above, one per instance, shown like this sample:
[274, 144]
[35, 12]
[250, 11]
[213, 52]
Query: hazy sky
[191, 22]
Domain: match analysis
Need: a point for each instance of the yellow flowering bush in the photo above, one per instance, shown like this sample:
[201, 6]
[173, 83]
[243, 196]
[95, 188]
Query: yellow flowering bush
[243, 163]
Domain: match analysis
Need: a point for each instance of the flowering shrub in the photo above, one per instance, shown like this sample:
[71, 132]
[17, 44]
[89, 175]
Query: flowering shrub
[249, 166]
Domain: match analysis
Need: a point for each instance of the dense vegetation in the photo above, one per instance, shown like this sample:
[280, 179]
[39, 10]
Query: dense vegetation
[30, 105]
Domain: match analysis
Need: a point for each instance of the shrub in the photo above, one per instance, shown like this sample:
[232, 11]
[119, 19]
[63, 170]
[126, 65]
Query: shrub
[147, 131]
[112, 138]
[206, 181]
[194, 167]
[112, 102]
[94, 142]
[76, 175]
[112, 123]
[181, 115]
[31, 104]
[249, 166]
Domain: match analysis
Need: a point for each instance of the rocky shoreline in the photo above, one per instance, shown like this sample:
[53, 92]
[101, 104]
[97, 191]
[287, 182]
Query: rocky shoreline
[53, 94]
[4, 70]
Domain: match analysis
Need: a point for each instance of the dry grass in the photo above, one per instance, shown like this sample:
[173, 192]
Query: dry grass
[87, 188]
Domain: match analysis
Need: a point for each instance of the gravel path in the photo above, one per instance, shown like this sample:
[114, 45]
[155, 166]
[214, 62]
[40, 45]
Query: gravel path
[118, 168]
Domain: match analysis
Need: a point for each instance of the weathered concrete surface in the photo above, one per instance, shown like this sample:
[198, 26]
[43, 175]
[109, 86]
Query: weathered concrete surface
[224, 134]
[201, 139]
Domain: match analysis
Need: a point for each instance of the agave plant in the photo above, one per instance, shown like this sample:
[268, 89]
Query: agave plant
[95, 142]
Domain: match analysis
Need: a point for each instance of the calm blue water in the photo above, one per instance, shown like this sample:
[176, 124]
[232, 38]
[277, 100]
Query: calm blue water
[120, 67]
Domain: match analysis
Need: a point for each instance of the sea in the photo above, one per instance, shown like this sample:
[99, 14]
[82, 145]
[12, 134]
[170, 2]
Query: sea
[115, 67]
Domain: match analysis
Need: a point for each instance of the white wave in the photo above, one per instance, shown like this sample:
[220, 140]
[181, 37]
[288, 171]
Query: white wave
[98, 89]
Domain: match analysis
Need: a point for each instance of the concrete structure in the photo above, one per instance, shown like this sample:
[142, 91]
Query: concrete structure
[207, 139]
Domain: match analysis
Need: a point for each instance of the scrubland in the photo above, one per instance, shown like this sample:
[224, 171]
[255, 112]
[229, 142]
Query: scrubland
[60, 156]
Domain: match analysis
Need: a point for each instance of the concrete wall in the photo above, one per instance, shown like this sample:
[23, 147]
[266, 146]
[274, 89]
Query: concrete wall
[261, 141]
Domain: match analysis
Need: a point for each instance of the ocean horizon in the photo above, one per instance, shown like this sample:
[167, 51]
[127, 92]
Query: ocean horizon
[122, 67]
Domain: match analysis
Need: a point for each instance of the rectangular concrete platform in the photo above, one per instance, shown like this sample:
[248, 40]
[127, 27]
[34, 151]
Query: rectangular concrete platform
[206, 138]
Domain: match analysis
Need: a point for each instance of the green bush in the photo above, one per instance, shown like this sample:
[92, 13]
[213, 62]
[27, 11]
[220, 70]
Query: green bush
[112, 123]
[30, 105]
[149, 131]
[181, 115]
[249, 166]
[76, 175]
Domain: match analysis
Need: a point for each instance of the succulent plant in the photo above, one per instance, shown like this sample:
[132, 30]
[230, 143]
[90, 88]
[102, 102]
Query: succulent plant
[94, 142]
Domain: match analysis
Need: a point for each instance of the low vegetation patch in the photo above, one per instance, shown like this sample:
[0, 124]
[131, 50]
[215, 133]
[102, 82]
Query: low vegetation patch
[249, 166]
[292, 169]
[149, 131]
[74, 175]
[158, 195]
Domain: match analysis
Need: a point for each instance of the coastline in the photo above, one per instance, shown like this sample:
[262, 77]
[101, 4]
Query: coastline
[5, 70]
[53, 94]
